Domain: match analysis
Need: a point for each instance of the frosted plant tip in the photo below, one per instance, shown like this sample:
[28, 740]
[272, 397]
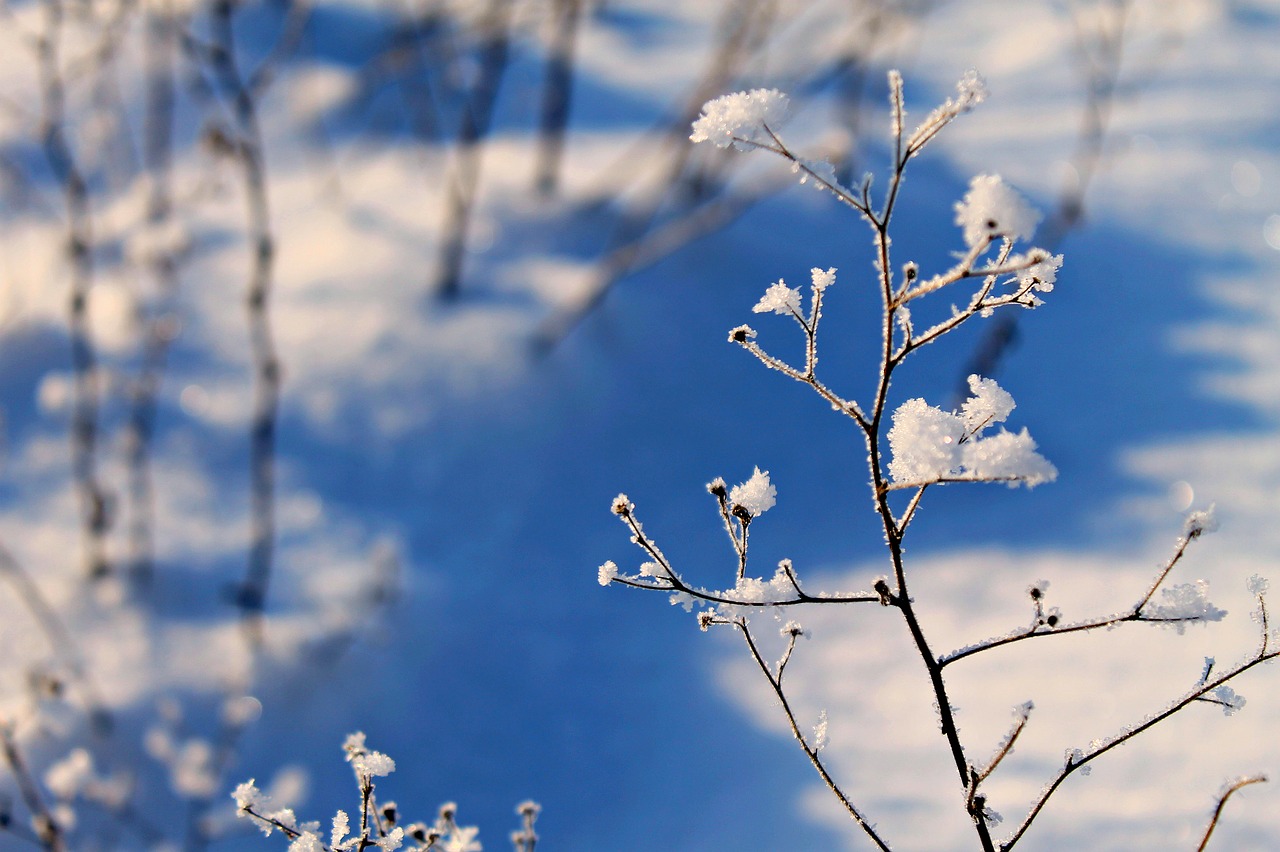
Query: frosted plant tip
[718, 487]
[1199, 523]
[971, 90]
[822, 278]
[780, 299]
[990, 209]
[739, 118]
[607, 573]
[247, 796]
[622, 506]
[755, 496]
[1258, 585]
[741, 334]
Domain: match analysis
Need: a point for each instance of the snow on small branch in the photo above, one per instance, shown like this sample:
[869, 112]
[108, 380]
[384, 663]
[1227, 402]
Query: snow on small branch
[741, 119]
[929, 445]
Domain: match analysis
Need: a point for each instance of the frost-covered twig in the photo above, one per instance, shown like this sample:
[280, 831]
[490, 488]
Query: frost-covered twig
[811, 749]
[658, 575]
[1187, 604]
[1226, 793]
[1078, 759]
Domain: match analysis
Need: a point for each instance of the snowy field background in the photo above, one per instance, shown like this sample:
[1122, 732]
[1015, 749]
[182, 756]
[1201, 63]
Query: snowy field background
[445, 467]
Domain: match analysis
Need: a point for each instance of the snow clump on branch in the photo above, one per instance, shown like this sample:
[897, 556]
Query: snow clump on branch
[931, 445]
[991, 208]
[739, 118]
[755, 496]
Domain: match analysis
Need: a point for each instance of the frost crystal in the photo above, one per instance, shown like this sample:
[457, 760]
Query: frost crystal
[780, 299]
[1229, 699]
[341, 826]
[990, 209]
[1199, 523]
[929, 444]
[373, 763]
[741, 116]
[756, 496]
[608, 571]
[1258, 585]
[247, 796]
[822, 279]
[989, 404]
[1185, 602]
[925, 442]
[820, 732]
[1040, 274]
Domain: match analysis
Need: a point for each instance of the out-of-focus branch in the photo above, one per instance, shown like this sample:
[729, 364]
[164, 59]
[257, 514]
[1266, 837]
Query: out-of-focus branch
[477, 116]
[94, 504]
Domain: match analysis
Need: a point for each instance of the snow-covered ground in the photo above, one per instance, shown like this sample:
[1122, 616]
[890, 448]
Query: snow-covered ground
[444, 480]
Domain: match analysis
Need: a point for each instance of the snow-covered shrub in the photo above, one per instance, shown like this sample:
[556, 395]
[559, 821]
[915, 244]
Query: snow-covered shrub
[913, 447]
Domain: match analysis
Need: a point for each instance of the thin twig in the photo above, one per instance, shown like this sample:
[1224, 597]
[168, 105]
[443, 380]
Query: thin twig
[1222, 803]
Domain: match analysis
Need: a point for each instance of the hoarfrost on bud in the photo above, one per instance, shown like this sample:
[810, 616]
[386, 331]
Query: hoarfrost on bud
[757, 495]
[373, 763]
[791, 628]
[739, 117]
[608, 571]
[991, 208]
[654, 570]
[1230, 700]
[353, 744]
[1183, 603]
[820, 732]
[247, 796]
[823, 278]
[622, 506]
[1040, 274]
[1258, 585]
[1201, 522]
[780, 299]
[971, 90]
